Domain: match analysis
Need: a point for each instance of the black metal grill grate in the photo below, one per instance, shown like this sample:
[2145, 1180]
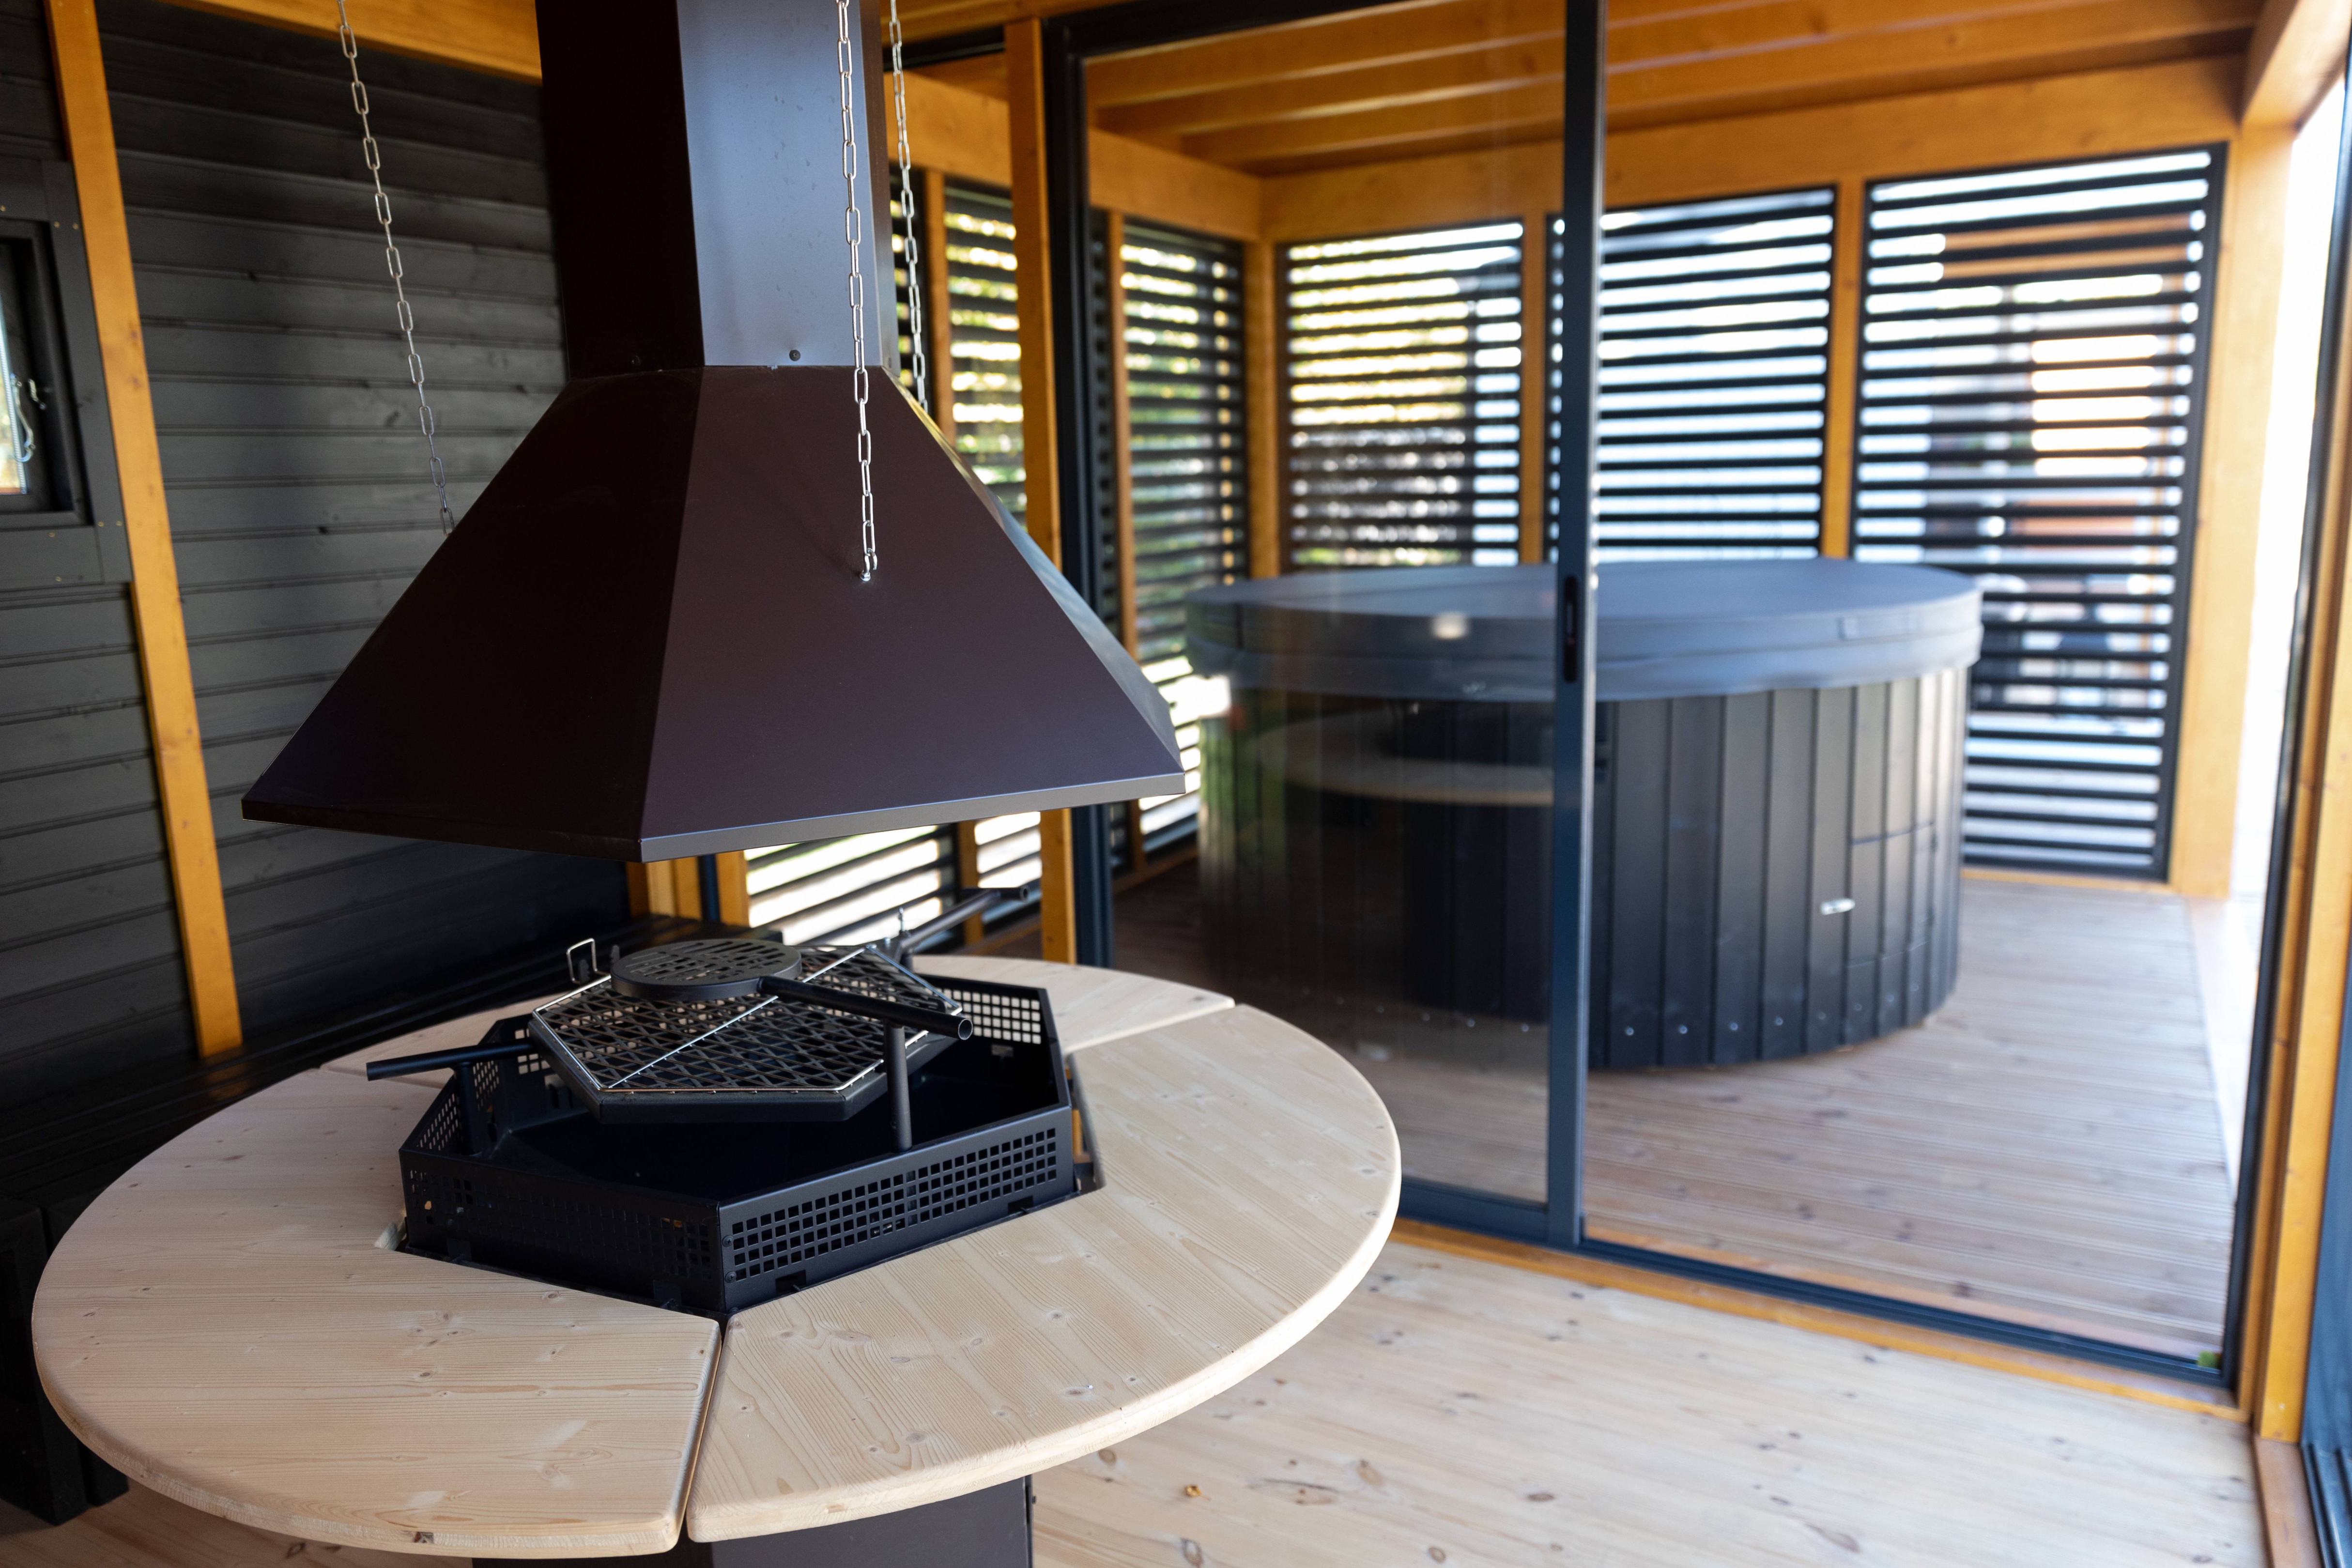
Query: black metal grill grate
[625, 1047]
[2030, 396]
[867, 973]
[1401, 398]
[1715, 321]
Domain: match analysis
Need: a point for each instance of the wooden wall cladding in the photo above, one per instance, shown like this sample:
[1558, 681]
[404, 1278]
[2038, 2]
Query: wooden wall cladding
[299, 499]
[91, 975]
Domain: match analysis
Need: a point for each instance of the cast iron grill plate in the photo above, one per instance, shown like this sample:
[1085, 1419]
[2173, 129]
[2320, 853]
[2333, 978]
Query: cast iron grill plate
[702, 971]
[636, 1055]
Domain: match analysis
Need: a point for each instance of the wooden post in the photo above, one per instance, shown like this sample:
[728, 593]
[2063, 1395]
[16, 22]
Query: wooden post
[2295, 54]
[937, 325]
[1848, 243]
[1535, 382]
[1261, 359]
[1040, 449]
[2244, 294]
[674, 888]
[735, 888]
[167, 682]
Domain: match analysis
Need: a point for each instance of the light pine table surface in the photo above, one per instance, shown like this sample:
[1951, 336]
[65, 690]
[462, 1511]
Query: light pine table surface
[229, 1326]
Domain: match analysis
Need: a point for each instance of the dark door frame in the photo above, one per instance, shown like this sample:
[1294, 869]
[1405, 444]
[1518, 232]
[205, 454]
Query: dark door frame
[1068, 42]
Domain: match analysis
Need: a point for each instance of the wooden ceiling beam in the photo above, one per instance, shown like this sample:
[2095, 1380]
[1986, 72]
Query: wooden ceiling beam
[1512, 115]
[1389, 35]
[1297, 130]
[965, 133]
[500, 36]
[1307, 98]
[2178, 103]
[1679, 73]
[2298, 51]
[1377, 87]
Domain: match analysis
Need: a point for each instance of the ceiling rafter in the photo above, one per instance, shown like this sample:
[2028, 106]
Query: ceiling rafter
[1377, 87]
[1437, 75]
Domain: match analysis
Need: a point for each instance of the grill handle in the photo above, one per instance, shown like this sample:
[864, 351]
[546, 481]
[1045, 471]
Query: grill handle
[950, 1023]
[429, 1061]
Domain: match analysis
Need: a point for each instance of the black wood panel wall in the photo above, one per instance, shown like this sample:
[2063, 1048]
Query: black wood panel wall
[89, 960]
[299, 497]
[1777, 873]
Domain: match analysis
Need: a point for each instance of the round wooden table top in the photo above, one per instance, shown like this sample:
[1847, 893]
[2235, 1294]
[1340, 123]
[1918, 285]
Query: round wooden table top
[229, 1324]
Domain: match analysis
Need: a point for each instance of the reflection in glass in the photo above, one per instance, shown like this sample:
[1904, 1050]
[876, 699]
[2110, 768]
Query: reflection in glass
[1376, 844]
[17, 392]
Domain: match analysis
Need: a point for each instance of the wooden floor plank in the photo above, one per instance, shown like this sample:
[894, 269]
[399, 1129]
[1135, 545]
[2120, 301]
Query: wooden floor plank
[2045, 1150]
[1460, 1413]
[1465, 1414]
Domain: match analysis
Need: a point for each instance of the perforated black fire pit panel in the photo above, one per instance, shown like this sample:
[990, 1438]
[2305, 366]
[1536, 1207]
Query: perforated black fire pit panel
[716, 1218]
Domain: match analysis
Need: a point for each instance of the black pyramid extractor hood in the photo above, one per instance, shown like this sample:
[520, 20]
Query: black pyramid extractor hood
[648, 638]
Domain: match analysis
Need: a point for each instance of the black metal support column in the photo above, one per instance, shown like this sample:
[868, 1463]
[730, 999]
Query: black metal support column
[706, 877]
[1577, 344]
[1076, 394]
[2327, 1377]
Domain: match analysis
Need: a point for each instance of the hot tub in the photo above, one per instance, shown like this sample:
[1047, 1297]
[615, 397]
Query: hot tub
[1775, 813]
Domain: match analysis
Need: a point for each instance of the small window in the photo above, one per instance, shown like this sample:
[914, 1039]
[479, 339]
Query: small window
[32, 468]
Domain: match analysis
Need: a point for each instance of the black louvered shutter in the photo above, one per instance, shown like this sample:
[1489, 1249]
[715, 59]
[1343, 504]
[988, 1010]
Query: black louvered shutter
[1401, 398]
[2031, 391]
[1715, 321]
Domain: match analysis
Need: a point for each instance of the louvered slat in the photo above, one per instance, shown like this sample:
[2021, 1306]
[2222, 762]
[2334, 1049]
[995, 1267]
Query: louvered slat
[1400, 413]
[982, 303]
[1714, 376]
[1188, 442]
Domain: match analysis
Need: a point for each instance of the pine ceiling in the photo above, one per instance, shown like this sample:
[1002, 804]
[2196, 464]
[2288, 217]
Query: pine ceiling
[1434, 76]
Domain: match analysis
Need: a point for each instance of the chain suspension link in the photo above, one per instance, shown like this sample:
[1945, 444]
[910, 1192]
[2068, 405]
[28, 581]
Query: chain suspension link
[846, 57]
[407, 316]
[913, 252]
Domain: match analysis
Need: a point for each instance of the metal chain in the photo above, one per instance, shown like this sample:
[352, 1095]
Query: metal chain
[407, 317]
[913, 253]
[846, 57]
